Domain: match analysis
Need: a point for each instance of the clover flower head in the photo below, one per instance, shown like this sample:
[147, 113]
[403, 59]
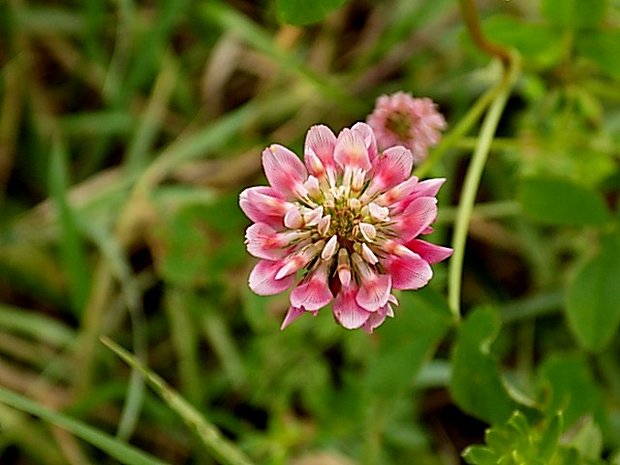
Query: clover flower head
[400, 119]
[341, 228]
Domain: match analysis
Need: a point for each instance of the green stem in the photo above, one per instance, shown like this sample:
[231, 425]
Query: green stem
[454, 136]
[471, 183]
[469, 12]
[470, 16]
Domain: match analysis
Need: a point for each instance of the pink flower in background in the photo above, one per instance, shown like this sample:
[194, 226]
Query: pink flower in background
[341, 228]
[400, 119]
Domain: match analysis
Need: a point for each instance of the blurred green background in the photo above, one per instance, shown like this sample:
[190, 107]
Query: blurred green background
[127, 131]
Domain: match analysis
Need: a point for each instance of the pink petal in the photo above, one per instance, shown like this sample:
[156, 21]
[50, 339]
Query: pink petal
[313, 292]
[263, 204]
[396, 196]
[374, 292]
[320, 142]
[369, 139]
[377, 318]
[292, 314]
[392, 167]
[428, 187]
[285, 172]
[408, 271]
[262, 278]
[347, 311]
[430, 252]
[264, 242]
[416, 218]
[350, 150]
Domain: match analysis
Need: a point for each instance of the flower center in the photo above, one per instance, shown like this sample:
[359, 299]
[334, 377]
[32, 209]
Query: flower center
[399, 123]
[343, 221]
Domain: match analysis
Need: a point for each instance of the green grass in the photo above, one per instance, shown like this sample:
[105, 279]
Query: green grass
[127, 131]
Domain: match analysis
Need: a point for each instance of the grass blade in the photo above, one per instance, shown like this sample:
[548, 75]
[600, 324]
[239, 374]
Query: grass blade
[122, 452]
[218, 446]
[71, 244]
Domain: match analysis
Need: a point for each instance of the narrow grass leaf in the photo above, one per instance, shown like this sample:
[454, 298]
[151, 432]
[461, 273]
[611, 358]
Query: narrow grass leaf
[72, 247]
[21, 430]
[223, 342]
[301, 12]
[36, 325]
[153, 116]
[226, 128]
[112, 252]
[116, 449]
[99, 123]
[152, 45]
[183, 332]
[218, 446]
[254, 35]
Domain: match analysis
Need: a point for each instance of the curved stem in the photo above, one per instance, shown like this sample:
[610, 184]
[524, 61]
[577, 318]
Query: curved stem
[472, 20]
[471, 183]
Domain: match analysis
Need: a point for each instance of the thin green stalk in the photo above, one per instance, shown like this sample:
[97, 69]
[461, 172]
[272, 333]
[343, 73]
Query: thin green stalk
[218, 446]
[454, 136]
[471, 183]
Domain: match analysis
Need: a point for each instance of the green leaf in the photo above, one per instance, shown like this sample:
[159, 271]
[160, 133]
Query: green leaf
[602, 48]
[476, 383]
[593, 300]
[301, 12]
[550, 438]
[115, 448]
[574, 14]
[557, 201]
[407, 341]
[538, 43]
[588, 440]
[479, 455]
[524, 444]
[72, 248]
[569, 387]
